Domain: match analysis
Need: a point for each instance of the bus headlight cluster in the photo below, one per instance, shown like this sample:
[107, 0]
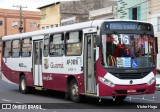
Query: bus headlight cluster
[106, 82]
[152, 81]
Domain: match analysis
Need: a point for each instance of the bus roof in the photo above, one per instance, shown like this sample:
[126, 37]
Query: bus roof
[71, 27]
[54, 30]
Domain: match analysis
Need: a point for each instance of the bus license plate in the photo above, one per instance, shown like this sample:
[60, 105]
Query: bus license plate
[131, 91]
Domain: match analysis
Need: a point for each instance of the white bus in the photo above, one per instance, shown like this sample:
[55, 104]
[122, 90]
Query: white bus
[96, 58]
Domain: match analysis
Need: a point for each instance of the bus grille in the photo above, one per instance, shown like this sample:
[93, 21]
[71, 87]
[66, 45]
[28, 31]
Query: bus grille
[130, 75]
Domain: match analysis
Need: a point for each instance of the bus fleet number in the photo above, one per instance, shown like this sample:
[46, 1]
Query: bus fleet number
[123, 39]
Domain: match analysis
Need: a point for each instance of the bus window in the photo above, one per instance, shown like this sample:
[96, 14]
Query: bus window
[26, 47]
[46, 43]
[56, 45]
[7, 49]
[15, 48]
[73, 43]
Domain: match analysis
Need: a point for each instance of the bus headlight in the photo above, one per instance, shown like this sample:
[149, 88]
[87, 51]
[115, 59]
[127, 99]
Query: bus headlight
[152, 81]
[106, 82]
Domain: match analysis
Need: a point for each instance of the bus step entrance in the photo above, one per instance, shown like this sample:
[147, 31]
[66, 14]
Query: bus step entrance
[38, 88]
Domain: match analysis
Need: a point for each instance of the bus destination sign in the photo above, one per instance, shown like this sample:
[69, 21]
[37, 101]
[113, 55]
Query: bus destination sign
[128, 26]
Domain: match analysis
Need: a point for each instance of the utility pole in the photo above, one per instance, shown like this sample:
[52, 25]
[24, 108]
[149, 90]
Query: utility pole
[20, 17]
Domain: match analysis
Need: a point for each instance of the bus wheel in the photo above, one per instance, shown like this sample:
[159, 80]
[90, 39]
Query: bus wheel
[119, 98]
[23, 88]
[74, 95]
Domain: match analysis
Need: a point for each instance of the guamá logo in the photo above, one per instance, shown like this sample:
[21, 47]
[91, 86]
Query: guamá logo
[46, 65]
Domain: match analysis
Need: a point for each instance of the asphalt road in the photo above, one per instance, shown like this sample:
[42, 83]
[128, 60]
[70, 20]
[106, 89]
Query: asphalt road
[51, 99]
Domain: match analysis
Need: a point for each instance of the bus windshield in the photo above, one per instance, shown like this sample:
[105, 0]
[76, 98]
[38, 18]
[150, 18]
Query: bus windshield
[127, 51]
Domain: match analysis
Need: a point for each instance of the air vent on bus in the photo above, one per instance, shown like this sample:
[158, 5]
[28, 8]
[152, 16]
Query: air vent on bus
[130, 75]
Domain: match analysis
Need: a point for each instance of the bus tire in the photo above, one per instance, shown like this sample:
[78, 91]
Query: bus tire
[23, 88]
[74, 94]
[120, 98]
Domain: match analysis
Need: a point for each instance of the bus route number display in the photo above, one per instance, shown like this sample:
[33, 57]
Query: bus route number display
[123, 39]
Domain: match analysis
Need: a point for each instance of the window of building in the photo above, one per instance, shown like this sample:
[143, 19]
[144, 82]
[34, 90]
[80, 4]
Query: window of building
[56, 25]
[1, 23]
[57, 45]
[14, 23]
[46, 46]
[52, 26]
[74, 43]
[135, 13]
[7, 49]
[26, 47]
[47, 27]
[43, 28]
[158, 24]
[43, 16]
[43, 13]
[33, 24]
[16, 48]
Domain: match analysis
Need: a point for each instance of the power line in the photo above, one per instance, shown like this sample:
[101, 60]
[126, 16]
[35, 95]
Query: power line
[20, 17]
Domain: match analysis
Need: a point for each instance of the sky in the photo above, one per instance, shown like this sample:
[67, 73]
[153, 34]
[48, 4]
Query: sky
[32, 5]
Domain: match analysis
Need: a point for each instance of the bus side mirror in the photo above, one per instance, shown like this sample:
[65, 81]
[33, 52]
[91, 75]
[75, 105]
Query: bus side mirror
[99, 41]
[156, 44]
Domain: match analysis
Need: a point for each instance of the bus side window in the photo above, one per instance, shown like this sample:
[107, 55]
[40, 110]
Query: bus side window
[56, 45]
[46, 46]
[26, 47]
[16, 48]
[74, 43]
[7, 49]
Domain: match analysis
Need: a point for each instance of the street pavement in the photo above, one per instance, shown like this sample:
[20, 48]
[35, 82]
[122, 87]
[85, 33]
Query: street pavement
[51, 99]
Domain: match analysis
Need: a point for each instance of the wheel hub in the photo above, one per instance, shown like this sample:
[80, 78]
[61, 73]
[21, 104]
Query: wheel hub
[75, 90]
[23, 84]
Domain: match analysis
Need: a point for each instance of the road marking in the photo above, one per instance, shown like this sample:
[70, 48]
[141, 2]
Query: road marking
[10, 101]
[18, 102]
[143, 99]
[6, 100]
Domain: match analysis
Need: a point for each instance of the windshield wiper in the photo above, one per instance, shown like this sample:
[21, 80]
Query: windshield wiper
[114, 32]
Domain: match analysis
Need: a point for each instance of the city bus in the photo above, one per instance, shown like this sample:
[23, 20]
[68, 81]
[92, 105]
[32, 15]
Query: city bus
[97, 58]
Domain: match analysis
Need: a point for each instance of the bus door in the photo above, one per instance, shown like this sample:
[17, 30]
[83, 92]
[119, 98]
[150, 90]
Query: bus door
[37, 62]
[89, 63]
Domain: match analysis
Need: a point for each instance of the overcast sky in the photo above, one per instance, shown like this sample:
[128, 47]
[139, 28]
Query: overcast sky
[31, 4]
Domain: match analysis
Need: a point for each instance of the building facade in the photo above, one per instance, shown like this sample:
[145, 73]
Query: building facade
[68, 12]
[50, 15]
[154, 17]
[10, 21]
[132, 9]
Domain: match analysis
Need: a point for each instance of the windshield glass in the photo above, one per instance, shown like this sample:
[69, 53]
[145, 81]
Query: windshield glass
[127, 51]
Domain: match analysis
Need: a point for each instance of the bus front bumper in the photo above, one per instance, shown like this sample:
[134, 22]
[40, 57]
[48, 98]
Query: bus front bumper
[121, 90]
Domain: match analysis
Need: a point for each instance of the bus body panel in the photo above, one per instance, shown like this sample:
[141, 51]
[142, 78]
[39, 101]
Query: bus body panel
[122, 85]
[13, 75]
[120, 90]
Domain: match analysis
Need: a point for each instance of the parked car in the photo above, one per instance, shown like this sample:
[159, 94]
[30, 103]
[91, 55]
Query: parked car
[158, 82]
